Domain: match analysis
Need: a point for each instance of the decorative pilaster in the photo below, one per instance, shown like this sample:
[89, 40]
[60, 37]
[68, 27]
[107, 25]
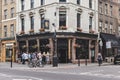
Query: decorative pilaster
[69, 49]
[38, 44]
[27, 45]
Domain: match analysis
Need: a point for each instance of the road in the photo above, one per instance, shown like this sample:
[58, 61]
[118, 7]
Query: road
[108, 72]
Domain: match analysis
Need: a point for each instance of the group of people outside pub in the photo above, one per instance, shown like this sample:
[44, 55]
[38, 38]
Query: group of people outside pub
[35, 57]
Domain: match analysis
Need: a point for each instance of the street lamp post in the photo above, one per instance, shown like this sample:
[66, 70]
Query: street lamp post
[55, 58]
[10, 52]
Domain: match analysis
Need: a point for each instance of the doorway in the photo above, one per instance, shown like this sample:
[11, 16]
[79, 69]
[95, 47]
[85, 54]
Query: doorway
[62, 50]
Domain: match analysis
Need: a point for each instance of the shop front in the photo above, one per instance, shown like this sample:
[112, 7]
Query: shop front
[110, 46]
[69, 45]
[8, 50]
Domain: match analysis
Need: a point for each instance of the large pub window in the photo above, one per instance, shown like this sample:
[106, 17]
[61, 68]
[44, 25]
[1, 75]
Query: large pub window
[44, 45]
[83, 50]
[33, 46]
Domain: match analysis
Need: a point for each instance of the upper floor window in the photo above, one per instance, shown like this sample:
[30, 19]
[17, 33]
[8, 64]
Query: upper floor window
[42, 18]
[106, 27]
[5, 31]
[32, 3]
[32, 22]
[106, 9]
[12, 30]
[12, 12]
[78, 20]
[42, 2]
[5, 14]
[111, 28]
[100, 26]
[78, 1]
[22, 4]
[90, 23]
[5, 2]
[100, 7]
[62, 0]
[90, 3]
[62, 18]
[111, 8]
[22, 24]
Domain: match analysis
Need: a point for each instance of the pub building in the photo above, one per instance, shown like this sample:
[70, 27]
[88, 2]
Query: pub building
[69, 45]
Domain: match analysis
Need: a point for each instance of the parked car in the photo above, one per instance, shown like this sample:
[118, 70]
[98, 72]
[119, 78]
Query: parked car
[117, 59]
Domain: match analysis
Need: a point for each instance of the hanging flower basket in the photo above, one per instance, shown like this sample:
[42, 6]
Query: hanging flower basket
[41, 29]
[79, 29]
[22, 32]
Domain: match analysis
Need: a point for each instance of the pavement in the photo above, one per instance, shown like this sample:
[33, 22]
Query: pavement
[48, 66]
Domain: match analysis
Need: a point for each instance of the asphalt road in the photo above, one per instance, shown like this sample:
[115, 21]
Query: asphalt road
[108, 72]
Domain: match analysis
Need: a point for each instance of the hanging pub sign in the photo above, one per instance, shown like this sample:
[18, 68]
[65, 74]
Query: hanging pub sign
[46, 24]
[108, 44]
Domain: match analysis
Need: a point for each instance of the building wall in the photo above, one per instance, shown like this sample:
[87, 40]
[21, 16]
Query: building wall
[9, 39]
[107, 17]
[0, 25]
[51, 8]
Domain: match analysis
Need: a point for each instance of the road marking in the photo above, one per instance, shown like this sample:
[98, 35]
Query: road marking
[23, 77]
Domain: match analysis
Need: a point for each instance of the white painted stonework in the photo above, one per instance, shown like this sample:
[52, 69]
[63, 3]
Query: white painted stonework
[51, 7]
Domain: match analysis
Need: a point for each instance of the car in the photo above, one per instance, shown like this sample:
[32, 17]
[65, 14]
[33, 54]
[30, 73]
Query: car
[117, 59]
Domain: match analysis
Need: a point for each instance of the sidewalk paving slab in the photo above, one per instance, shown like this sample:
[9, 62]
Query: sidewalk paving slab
[48, 66]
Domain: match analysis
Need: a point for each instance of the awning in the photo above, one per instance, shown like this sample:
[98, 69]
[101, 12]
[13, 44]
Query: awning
[110, 37]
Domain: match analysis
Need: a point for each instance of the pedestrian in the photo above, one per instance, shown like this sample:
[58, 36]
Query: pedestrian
[99, 58]
[39, 55]
[48, 58]
[44, 58]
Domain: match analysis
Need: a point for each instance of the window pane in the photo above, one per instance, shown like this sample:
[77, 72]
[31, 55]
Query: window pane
[62, 18]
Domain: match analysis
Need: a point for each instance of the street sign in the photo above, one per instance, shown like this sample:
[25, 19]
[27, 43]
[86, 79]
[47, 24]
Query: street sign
[108, 44]
[101, 43]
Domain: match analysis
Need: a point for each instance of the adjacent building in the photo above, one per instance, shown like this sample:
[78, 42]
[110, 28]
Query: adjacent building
[0, 24]
[74, 22]
[8, 30]
[108, 28]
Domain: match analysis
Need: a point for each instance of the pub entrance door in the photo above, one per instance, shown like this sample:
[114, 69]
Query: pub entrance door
[62, 50]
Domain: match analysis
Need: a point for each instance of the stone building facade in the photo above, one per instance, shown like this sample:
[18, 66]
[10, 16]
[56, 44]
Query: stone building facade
[8, 30]
[75, 24]
[0, 24]
[108, 27]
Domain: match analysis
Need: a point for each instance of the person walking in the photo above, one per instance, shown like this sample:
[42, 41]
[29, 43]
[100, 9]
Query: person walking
[99, 58]
[39, 55]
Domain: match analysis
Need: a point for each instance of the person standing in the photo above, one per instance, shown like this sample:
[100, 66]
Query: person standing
[39, 55]
[99, 58]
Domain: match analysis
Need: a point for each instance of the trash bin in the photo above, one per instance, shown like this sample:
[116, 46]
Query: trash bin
[55, 61]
